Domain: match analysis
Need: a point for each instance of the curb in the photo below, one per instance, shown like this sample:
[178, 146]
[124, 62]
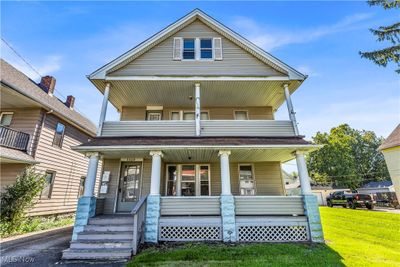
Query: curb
[14, 240]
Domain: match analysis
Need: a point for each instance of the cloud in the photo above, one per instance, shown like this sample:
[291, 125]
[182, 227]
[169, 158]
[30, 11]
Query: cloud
[47, 65]
[271, 38]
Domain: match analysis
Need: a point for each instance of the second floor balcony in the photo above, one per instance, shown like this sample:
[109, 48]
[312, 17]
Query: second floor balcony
[13, 139]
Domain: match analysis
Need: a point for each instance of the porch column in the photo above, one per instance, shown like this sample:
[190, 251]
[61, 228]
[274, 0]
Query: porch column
[153, 200]
[103, 109]
[197, 108]
[86, 207]
[310, 201]
[227, 200]
[292, 114]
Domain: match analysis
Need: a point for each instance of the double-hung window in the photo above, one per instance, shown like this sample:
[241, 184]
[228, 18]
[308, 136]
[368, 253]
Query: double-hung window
[188, 180]
[6, 118]
[59, 135]
[48, 185]
[206, 49]
[246, 180]
[189, 51]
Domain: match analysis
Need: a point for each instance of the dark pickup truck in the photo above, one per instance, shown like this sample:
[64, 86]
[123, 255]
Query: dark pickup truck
[348, 199]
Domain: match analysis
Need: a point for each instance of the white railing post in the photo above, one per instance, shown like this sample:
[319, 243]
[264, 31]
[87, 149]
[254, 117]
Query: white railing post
[103, 109]
[292, 114]
[197, 108]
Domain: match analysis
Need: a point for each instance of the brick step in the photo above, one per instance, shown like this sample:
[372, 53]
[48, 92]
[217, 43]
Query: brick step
[95, 244]
[105, 235]
[97, 254]
[108, 227]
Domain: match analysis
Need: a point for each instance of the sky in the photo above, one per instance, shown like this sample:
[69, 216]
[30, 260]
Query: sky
[70, 40]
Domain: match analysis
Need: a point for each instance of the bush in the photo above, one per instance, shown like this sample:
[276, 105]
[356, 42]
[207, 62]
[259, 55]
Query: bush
[19, 197]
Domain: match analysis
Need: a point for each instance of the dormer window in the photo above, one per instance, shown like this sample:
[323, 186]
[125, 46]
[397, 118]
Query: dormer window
[189, 48]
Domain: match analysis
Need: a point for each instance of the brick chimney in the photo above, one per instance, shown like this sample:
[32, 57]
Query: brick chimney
[48, 84]
[70, 101]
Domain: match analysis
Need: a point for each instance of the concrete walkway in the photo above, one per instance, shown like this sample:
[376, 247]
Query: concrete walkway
[43, 249]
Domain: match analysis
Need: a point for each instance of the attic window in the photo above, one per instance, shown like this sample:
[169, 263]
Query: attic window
[188, 48]
[206, 49]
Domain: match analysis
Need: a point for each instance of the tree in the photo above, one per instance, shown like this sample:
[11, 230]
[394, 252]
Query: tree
[389, 33]
[348, 157]
[17, 198]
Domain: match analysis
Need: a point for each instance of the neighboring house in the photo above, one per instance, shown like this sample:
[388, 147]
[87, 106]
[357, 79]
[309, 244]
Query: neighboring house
[391, 151]
[197, 153]
[38, 128]
[376, 187]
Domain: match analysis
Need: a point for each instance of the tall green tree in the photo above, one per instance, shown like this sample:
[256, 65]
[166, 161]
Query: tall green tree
[348, 158]
[390, 33]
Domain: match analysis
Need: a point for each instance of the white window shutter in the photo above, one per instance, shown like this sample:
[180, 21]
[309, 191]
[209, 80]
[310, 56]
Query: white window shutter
[177, 49]
[217, 48]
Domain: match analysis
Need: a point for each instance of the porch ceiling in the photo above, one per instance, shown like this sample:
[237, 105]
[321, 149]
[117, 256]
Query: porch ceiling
[174, 93]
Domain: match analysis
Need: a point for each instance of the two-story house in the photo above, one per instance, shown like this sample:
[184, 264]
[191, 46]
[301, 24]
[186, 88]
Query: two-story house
[39, 129]
[197, 152]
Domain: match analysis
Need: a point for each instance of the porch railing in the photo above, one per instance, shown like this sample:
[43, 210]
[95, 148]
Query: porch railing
[208, 128]
[13, 139]
[269, 205]
[139, 218]
[207, 205]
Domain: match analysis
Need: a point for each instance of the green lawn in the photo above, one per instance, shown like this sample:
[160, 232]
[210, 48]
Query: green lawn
[353, 238]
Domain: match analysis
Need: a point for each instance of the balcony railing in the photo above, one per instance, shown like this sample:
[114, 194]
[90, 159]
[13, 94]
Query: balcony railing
[13, 139]
[208, 128]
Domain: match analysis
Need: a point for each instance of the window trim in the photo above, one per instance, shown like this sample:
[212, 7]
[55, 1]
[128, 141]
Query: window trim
[62, 136]
[179, 178]
[212, 48]
[154, 111]
[6, 113]
[252, 173]
[197, 48]
[182, 111]
[240, 110]
[50, 187]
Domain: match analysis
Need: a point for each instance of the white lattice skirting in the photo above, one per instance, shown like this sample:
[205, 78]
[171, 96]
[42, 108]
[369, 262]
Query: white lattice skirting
[290, 230]
[190, 230]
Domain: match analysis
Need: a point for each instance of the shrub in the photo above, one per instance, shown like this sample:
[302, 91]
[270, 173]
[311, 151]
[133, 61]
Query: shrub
[17, 198]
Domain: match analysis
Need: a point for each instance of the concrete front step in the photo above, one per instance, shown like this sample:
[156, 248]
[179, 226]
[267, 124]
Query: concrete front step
[95, 244]
[108, 227]
[111, 220]
[96, 254]
[105, 235]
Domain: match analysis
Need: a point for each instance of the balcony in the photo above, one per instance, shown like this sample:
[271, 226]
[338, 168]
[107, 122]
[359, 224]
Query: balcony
[13, 139]
[260, 128]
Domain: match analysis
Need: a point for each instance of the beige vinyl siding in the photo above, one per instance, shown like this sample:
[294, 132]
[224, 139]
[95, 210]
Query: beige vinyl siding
[215, 113]
[159, 61]
[68, 165]
[27, 120]
[9, 173]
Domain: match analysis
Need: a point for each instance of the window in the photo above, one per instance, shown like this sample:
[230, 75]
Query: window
[48, 186]
[172, 177]
[188, 180]
[175, 115]
[189, 48]
[190, 115]
[6, 118]
[59, 135]
[241, 115]
[154, 115]
[206, 49]
[246, 180]
[81, 186]
[204, 181]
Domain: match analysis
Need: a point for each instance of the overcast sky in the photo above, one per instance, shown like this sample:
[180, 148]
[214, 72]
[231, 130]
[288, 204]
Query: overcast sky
[69, 40]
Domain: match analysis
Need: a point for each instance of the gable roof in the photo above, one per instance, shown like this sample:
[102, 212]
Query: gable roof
[393, 139]
[18, 81]
[212, 23]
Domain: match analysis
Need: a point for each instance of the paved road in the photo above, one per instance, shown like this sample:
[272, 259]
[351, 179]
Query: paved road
[43, 250]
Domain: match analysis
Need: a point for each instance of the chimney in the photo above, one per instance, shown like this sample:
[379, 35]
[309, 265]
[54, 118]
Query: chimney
[48, 83]
[70, 101]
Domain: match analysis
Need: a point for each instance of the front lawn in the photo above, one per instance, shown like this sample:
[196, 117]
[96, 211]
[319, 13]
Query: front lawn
[353, 238]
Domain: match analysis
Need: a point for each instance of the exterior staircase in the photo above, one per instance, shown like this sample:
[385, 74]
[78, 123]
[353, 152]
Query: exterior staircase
[106, 237]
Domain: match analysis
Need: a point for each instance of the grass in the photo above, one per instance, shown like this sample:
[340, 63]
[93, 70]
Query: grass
[353, 238]
[33, 224]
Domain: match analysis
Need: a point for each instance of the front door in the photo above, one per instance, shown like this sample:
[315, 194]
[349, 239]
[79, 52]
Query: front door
[129, 186]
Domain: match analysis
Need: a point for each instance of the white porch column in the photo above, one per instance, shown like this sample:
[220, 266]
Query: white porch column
[91, 174]
[155, 173]
[103, 109]
[225, 174]
[292, 114]
[197, 108]
[303, 173]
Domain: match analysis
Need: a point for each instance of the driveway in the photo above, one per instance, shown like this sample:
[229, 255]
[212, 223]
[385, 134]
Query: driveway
[42, 250]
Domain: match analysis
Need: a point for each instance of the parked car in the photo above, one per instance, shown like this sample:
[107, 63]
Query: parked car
[348, 199]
